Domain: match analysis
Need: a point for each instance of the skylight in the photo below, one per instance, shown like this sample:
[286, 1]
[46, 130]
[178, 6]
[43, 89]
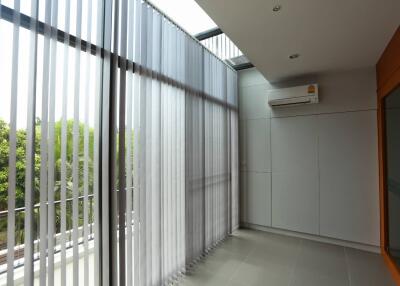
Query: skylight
[191, 17]
[187, 14]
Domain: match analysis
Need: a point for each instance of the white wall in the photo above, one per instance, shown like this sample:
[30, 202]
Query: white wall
[312, 168]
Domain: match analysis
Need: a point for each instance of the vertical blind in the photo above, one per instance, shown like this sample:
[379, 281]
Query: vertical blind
[119, 148]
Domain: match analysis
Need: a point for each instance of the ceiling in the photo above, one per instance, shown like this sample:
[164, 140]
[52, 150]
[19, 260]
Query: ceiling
[327, 34]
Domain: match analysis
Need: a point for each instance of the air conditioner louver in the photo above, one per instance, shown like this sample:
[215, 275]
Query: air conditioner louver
[293, 96]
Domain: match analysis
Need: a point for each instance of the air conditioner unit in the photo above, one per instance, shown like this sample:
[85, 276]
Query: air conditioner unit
[298, 95]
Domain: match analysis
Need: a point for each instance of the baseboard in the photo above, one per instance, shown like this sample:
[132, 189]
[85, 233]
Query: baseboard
[356, 245]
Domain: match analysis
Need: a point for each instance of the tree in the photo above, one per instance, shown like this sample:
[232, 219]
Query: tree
[20, 172]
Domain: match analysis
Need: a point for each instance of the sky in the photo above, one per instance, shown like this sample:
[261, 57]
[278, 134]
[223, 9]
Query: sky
[185, 13]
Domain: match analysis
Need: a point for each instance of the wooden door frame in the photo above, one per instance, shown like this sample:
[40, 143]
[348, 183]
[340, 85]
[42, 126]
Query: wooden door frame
[388, 79]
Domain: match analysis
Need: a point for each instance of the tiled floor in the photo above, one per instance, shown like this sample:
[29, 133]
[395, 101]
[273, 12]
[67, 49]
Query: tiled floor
[252, 258]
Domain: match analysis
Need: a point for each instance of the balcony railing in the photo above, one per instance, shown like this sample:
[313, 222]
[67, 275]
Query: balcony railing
[19, 248]
[196, 184]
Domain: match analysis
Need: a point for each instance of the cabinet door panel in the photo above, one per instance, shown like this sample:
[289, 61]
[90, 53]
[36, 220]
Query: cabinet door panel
[349, 176]
[257, 194]
[258, 150]
[295, 197]
[295, 201]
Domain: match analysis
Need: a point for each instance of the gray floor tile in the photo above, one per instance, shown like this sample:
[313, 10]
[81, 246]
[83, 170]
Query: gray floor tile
[304, 277]
[203, 278]
[281, 250]
[266, 274]
[218, 265]
[255, 258]
[367, 269]
[237, 246]
[320, 264]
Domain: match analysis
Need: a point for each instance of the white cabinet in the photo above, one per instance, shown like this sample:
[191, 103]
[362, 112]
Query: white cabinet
[349, 176]
[256, 188]
[243, 141]
[258, 150]
[255, 171]
[295, 201]
[295, 197]
[312, 168]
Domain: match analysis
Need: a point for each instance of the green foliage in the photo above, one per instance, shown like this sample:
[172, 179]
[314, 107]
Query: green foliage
[20, 171]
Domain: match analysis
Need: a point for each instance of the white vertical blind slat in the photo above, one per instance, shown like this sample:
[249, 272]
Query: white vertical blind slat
[174, 152]
[136, 184]
[136, 148]
[143, 147]
[129, 149]
[51, 149]
[113, 139]
[96, 145]
[121, 148]
[44, 148]
[129, 180]
[64, 146]
[149, 172]
[13, 146]
[105, 145]
[96, 188]
[30, 141]
[76, 147]
[86, 143]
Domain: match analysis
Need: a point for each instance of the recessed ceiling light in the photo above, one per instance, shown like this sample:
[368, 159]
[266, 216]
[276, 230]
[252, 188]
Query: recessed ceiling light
[294, 56]
[277, 8]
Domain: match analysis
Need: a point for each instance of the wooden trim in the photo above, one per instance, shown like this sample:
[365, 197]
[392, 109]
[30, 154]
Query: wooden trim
[388, 78]
[382, 177]
[389, 62]
[393, 268]
[390, 84]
